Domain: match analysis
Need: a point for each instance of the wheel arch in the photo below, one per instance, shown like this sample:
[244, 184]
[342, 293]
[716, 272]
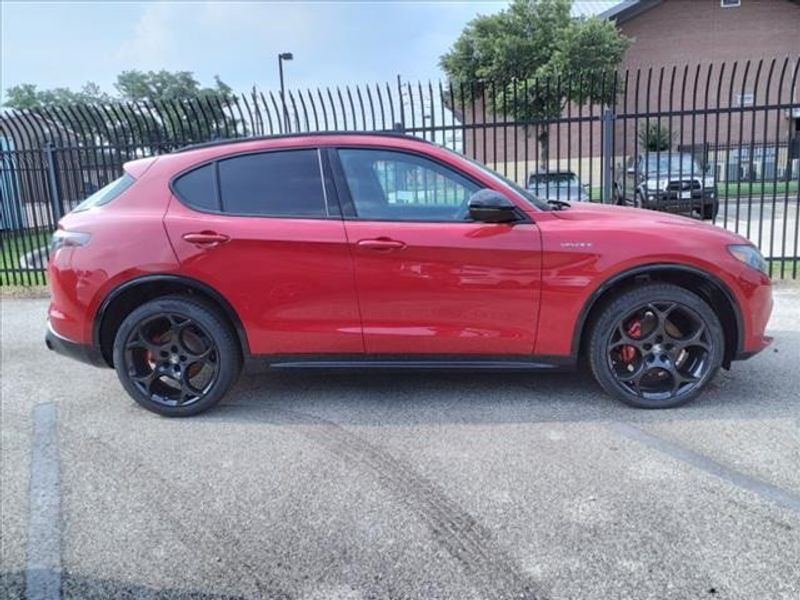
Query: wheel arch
[132, 293]
[714, 291]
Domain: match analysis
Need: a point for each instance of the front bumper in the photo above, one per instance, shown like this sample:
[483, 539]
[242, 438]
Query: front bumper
[81, 352]
[674, 199]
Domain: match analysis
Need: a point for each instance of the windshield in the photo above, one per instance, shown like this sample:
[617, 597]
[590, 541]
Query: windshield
[665, 163]
[554, 179]
[540, 204]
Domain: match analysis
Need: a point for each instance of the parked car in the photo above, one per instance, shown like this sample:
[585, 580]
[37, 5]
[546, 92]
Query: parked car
[379, 250]
[558, 185]
[668, 181]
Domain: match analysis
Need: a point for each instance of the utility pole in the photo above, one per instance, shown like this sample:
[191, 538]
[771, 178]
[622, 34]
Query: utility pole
[282, 57]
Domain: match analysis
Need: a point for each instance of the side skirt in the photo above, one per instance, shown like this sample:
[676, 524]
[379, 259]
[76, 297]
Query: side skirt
[418, 362]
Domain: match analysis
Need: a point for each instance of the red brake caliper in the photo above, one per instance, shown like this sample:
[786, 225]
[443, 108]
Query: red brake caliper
[628, 353]
[149, 356]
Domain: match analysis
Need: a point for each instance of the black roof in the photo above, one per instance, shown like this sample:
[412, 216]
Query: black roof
[226, 141]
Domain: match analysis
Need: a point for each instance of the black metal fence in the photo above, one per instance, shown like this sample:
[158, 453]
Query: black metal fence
[720, 141]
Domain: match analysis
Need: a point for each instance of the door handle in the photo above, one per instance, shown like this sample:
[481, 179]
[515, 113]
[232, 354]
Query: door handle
[206, 239]
[381, 244]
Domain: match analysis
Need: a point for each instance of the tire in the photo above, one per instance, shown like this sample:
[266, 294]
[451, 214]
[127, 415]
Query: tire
[638, 200]
[676, 350]
[710, 211]
[619, 199]
[176, 356]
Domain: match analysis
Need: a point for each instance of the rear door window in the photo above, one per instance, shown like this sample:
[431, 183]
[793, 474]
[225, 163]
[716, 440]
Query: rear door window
[284, 183]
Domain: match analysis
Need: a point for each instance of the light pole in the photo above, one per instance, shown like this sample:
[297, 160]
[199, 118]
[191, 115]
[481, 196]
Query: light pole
[282, 57]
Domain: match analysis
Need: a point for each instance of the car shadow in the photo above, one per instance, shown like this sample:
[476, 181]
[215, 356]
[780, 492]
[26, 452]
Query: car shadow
[762, 387]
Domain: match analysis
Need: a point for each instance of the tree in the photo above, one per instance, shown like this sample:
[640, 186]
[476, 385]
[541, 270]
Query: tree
[655, 137]
[177, 96]
[539, 58]
[27, 96]
[136, 86]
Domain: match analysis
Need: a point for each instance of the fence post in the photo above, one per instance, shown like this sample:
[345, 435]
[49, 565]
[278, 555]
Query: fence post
[52, 179]
[607, 150]
[402, 124]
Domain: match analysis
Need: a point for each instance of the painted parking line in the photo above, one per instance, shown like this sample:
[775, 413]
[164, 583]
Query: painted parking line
[769, 492]
[43, 571]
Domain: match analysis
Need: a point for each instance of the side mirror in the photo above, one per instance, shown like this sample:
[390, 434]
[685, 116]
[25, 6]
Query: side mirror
[489, 206]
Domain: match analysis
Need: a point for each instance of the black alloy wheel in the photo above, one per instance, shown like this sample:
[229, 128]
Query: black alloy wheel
[175, 356]
[656, 346]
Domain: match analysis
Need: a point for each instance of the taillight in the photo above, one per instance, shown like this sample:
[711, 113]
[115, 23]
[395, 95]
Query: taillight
[66, 239]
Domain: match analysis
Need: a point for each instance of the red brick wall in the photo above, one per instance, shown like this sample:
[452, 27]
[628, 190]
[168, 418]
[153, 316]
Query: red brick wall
[689, 31]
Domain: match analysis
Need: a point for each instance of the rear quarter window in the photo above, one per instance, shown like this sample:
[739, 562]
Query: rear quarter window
[197, 189]
[106, 193]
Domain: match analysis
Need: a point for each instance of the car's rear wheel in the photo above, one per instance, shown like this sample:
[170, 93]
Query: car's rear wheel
[656, 346]
[175, 356]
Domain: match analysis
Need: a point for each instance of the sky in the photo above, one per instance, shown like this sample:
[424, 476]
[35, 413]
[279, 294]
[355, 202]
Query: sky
[65, 44]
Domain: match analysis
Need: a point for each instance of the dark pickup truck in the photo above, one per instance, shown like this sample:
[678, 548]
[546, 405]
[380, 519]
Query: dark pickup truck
[668, 181]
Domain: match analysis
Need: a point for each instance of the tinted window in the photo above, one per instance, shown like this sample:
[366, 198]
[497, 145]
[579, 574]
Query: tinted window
[398, 186]
[106, 194]
[196, 188]
[286, 183]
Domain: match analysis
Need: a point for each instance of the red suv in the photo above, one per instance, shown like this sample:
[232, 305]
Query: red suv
[373, 250]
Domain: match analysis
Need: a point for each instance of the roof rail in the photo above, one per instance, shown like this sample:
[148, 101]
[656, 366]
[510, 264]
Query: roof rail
[225, 141]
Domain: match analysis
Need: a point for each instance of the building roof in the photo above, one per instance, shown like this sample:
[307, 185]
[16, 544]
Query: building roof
[625, 10]
[618, 10]
[593, 8]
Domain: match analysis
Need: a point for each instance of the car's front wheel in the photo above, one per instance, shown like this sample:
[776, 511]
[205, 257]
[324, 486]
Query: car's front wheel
[656, 346]
[711, 210]
[176, 356]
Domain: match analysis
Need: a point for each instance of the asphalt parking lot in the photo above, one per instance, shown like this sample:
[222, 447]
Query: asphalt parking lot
[366, 485]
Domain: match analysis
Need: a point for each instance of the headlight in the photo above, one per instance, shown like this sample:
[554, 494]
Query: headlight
[708, 182]
[656, 184]
[750, 256]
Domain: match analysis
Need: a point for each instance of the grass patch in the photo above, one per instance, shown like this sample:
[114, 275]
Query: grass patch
[790, 267]
[15, 245]
[757, 189]
[595, 193]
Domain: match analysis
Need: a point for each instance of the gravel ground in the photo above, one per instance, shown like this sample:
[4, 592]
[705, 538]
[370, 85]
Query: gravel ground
[367, 485]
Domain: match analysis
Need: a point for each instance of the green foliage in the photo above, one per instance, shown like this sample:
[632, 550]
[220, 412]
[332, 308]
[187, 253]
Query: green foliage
[539, 57]
[178, 97]
[528, 47]
[655, 137]
[27, 96]
[136, 86]
[516, 43]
